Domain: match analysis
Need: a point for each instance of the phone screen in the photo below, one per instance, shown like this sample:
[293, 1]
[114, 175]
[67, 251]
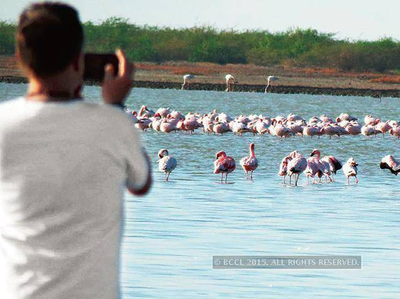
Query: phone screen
[95, 63]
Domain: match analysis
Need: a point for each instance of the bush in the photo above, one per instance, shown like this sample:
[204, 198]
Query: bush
[294, 47]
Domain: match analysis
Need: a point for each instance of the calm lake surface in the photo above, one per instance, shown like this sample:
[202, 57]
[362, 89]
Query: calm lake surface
[172, 233]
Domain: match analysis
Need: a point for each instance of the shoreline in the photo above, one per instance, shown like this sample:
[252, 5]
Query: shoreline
[281, 89]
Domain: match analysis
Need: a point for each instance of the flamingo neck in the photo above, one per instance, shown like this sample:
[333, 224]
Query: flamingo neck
[252, 154]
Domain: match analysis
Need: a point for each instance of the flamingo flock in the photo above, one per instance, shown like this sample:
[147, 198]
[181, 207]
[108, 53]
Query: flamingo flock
[167, 120]
[293, 165]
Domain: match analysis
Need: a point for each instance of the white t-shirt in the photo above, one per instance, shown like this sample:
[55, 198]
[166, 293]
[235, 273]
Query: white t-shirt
[63, 169]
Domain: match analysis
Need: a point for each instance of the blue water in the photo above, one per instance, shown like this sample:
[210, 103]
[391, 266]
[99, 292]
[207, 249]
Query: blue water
[172, 233]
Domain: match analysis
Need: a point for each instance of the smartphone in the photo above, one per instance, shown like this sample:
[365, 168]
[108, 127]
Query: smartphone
[95, 63]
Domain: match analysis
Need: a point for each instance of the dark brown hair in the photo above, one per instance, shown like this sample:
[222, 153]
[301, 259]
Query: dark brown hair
[49, 37]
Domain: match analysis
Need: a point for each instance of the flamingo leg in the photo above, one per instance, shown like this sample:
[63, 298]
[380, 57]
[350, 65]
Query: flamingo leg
[226, 177]
[222, 177]
[348, 181]
[295, 179]
[290, 179]
[356, 179]
[251, 176]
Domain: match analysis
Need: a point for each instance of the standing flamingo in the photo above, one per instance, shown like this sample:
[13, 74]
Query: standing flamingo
[166, 163]
[283, 168]
[224, 164]
[350, 169]
[389, 162]
[269, 85]
[323, 164]
[186, 80]
[250, 163]
[296, 166]
[230, 82]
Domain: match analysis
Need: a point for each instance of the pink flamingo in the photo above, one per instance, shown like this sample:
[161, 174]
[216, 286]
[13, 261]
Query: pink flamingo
[395, 131]
[221, 128]
[224, 164]
[250, 163]
[323, 165]
[389, 162]
[313, 169]
[283, 168]
[382, 127]
[296, 166]
[333, 164]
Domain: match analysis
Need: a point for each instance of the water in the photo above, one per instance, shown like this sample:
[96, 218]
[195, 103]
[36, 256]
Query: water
[172, 233]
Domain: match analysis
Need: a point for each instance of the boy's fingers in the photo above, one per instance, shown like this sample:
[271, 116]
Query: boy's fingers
[121, 62]
[126, 67]
[108, 72]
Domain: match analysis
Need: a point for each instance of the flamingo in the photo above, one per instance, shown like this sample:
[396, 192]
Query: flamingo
[230, 82]
[186, 80]
[389, 162]
[284, 167]
[296, 166]
[334, 164]
[224, 164]
[166, 164]
[395, 131]
[368, 130]
[350, 169]
[383, 127]
[162, 112]
[269, 80]
[250, 163]
[323, 165]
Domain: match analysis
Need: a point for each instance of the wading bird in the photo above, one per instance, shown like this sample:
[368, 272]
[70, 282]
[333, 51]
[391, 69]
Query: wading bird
[230, 82]
[350, 169]
[186, 80]
[224, 165]
[166, 164]
[250, 163]
[296, 166]
[389, 162]
[269, 84]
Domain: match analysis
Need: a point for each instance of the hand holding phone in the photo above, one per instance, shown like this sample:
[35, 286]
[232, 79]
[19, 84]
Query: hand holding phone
[95, 64]
[117, 86]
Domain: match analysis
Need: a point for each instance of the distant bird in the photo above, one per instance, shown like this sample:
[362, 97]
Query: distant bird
[166, 164]
[389, 162]
[350, 169]
[250, 163]
[283, 168]
[296, 166]
[329, 164]
[269, 85]
[186, 80]
[334, 164]
[230, 82]
[224, 165]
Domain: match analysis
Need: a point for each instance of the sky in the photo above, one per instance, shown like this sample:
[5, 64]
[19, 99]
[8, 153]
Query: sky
[353, 19]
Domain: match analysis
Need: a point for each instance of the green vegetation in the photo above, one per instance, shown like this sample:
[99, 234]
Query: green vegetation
[305, 48]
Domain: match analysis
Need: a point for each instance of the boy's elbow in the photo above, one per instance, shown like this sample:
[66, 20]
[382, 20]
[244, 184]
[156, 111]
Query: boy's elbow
[144, 190]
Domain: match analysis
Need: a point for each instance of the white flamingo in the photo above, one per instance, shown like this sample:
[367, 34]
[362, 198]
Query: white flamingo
[269, 80]
[166, 164]
[186, 80]
[350, 169]
[230, 82]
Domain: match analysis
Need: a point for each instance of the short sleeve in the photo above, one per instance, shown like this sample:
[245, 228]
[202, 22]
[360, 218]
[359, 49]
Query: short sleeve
[138, 166]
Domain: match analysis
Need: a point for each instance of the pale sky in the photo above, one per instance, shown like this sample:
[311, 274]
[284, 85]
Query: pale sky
[354, 19]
